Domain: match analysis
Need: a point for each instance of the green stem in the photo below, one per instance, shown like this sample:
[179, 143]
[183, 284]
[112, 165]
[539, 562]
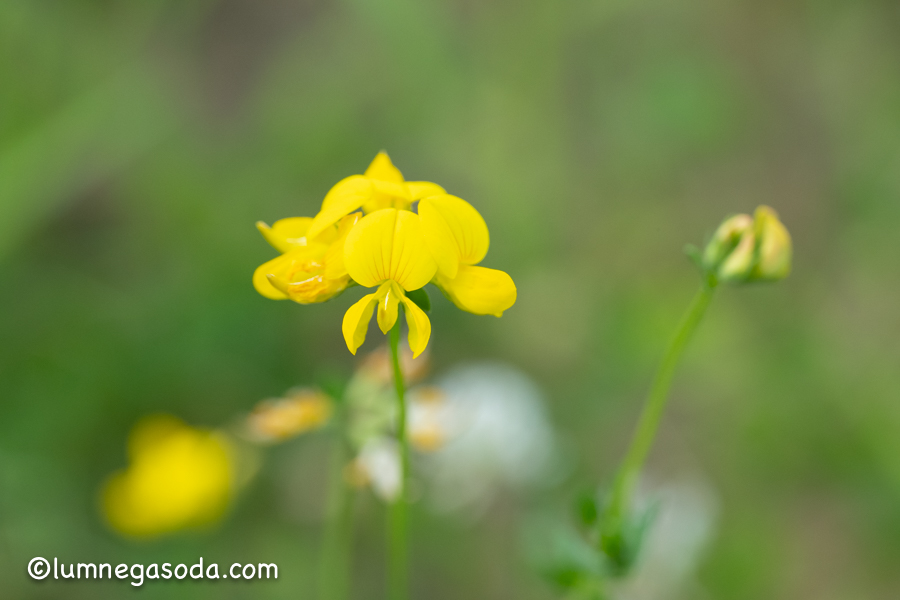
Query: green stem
[398, 553]
[648, 424]
[334, 578]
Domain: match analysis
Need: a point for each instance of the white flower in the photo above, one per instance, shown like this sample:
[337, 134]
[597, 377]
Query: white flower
[684, 524]
[378, 464]
[495, 433]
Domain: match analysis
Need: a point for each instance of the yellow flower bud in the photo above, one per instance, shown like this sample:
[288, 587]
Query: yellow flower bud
[729, 253]
[775, 249]
[746, 248]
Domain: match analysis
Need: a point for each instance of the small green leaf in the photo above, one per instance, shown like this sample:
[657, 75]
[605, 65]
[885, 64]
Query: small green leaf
[420, 297]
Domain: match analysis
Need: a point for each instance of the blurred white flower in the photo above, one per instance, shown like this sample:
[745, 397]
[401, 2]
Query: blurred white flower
[429, 418]
[487, 428]
[685, 521]
[378, 465]
[479, 429]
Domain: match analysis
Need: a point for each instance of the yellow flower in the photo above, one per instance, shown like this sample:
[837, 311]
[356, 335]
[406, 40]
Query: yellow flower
[746, 248]
[387, 249]
[458, 238]
[393, 248]
[300, 411]
[311, 269]
[178, 477]
[381, 186]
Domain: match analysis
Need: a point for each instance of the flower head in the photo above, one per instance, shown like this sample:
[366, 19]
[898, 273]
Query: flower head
[393, 245]
[178, 477]
[746, 248]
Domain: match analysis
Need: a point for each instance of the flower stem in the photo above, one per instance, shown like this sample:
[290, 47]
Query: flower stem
[334, 578]
[611, 538]
[398, 553]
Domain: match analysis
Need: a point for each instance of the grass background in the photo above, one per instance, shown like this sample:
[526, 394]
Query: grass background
[140, 141]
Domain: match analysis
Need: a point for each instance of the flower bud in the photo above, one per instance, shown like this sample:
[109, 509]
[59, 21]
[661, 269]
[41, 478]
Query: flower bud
[279, 419]
[729, 253]
[775, 250]
[746, 248]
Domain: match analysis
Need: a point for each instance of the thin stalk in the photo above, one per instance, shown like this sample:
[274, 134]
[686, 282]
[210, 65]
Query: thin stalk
[648, 424]
[334, 577]
[398, 552]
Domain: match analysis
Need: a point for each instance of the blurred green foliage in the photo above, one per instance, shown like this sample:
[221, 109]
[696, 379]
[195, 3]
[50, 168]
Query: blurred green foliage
[140, 141]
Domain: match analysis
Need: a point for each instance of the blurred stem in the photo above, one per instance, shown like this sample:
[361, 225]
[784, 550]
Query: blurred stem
[611, 538]
[398, 553]
[334, 578]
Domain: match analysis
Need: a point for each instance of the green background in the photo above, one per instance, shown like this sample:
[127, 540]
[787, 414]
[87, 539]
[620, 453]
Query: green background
[140, 141]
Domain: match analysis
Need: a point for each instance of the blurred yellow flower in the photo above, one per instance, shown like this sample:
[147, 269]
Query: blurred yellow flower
[746, 248]
[178, 477]
[301, 410]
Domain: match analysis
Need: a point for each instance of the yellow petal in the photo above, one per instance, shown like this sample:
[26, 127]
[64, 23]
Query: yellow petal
[356, 321]
[278, 267]
[383, 169]
[388, 305]
[454, 231]
[388, 245]
[300, 275]
[418, 324]
[392, 189]
[334, 257]
[423, 189]
[312, 290]
[738, 264]
[726, 239]
[479, 290]
[286, 234]
[774, 245]
[346, 196]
